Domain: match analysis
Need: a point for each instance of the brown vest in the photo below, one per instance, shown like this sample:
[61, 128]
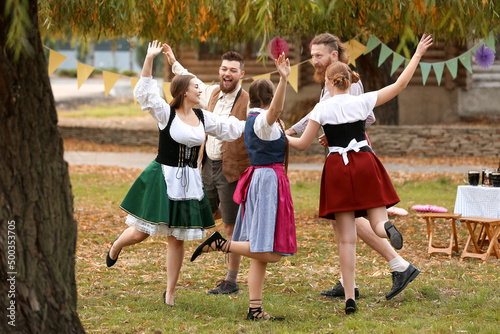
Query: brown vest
[234, 154]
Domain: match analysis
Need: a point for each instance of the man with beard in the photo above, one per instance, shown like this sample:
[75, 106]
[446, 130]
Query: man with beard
[327, 49]
[223, 162]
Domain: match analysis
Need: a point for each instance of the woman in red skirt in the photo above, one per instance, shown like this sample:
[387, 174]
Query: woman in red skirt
[354, 182]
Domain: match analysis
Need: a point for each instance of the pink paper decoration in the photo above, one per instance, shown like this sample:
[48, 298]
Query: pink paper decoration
[276, 46]
[484, 56]
[429, 208]
[394, 211]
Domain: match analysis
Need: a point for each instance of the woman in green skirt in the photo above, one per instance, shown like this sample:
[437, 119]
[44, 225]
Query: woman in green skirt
[168, 198]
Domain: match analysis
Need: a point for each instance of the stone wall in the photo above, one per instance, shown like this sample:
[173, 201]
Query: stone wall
[396, 141]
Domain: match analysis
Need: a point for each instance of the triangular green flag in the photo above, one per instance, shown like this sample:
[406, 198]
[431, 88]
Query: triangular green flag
[397, 60]
[452, 65]
[490, 41]
[373, 42]
[475, 47]
[407, 61]
[426, 68]
[385, 52]
[438, 69]
[465, 60]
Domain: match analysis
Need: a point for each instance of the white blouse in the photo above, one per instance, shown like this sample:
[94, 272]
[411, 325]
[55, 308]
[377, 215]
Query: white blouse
[344, 108]
[262, 129]
[184, 183]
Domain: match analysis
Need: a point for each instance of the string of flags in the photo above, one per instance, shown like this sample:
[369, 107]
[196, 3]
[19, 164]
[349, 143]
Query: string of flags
[483, 52]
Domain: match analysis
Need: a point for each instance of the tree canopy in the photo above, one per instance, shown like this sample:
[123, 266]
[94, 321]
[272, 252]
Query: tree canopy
[178, 21]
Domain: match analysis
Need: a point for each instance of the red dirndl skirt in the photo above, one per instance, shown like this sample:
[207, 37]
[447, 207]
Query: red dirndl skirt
[361, 184]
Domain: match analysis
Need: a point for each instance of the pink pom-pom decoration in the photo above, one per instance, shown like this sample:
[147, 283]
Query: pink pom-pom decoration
[276, 46]
[429, 208]
[421, 208]
[437, 209]
[394, 211]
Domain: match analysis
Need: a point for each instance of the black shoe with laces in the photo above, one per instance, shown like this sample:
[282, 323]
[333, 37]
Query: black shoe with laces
[338, 292]
[225, 288]
[215, 242]
[400, 280]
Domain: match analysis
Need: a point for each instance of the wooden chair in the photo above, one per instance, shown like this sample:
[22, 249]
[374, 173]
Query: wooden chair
[432, 220]
[483, 233]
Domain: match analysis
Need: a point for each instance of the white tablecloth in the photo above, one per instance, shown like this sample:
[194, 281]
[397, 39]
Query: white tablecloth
[478, 201]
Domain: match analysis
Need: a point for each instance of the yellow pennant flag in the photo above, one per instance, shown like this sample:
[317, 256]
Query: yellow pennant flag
[55, 60]
[354, 49]
[134, 81]
[263, 76]
[166, 91]
[82, 73]
[110, 80]
[293, 78]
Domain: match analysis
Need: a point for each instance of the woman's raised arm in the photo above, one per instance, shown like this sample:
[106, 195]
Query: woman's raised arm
[389, 92]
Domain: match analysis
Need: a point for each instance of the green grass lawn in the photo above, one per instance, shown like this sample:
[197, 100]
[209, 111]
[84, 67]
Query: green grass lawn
[449, 296]
[103, 111]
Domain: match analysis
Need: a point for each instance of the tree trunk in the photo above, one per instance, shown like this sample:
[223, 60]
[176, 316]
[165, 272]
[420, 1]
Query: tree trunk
[374, 78]
[37, 229]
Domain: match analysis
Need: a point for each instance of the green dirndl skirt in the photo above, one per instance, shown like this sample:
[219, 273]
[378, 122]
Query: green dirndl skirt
[147, 200]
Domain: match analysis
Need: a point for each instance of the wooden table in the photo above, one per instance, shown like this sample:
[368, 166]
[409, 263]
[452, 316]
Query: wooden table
[483, 232]
[431, 220]
[480, 210]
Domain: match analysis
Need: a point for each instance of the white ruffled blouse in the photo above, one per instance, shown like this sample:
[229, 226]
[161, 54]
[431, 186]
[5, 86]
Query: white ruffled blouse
[184, 183]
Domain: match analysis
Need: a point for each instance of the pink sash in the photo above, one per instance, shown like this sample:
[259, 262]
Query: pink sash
[284, 236]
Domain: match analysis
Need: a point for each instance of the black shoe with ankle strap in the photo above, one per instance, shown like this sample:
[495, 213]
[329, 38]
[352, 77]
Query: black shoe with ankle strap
[215, 242]
[257, 313]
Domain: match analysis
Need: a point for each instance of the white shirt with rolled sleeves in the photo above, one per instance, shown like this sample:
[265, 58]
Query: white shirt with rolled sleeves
[213, 146]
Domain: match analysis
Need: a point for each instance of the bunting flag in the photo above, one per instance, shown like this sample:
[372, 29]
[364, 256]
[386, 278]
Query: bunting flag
[385, 52]
[263, 76]
[134, 82]
[426, 68]
[166, 91]
[397, 60]
[465, 60]
[110, 80]
[82, 73]
[490, 42]
[293, 78]
[438, 70]
[354, 49]
[55, 60]
[372, 43]
[452, 65]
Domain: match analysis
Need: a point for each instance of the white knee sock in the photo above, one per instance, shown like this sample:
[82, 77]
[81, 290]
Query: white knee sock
[399, 264]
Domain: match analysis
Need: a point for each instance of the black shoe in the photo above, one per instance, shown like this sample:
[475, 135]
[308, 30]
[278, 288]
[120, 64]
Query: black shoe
[350, 306]
[109, 261]
[216, 238]
[225, 288]
[338, 292]
[394, 236]
[400, 280]
[257, 313]
[164, 299]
